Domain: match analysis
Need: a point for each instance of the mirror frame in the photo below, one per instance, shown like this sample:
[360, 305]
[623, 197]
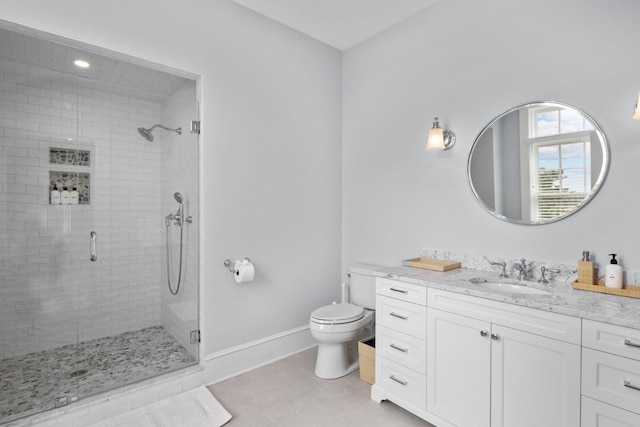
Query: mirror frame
[601, 177]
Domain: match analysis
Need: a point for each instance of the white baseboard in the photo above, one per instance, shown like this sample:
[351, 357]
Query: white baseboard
[243, 358]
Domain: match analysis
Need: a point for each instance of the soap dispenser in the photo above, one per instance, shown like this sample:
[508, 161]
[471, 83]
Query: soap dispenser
[73, 196]
[613, 274]
[64, 196]
[55, 196]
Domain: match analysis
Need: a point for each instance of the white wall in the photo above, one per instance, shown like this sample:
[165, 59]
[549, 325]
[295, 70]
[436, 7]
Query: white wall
[466, 62]
[271, 117]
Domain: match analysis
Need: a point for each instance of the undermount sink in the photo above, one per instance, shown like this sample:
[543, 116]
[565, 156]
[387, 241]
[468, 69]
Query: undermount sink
[513, 288]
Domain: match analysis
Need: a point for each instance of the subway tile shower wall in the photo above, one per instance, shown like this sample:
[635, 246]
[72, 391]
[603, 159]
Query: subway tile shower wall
[51, 294]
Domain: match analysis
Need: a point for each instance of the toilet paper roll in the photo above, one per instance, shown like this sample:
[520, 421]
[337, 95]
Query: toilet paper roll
[244, 271]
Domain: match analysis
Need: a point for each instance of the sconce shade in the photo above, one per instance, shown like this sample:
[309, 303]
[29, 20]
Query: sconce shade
[636, 116]
[436, 139]
[440, 139]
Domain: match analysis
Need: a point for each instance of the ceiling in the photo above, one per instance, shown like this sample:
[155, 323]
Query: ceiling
[106, 73]
[338, 23]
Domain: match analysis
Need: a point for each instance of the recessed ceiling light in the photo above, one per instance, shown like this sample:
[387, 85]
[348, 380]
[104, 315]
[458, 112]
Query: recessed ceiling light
[81, 63]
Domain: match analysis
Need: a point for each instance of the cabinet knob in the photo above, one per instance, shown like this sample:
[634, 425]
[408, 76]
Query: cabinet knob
[495, 337]
[484, 333]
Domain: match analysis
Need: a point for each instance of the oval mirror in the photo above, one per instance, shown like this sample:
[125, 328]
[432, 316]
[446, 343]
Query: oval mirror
[537, 163]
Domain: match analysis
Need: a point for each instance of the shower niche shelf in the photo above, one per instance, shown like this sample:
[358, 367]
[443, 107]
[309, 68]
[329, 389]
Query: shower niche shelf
[75, 160]
[81, 182]
[69, 156]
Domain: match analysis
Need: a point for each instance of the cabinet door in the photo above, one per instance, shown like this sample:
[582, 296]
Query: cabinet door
[535, 380]
[458, 369]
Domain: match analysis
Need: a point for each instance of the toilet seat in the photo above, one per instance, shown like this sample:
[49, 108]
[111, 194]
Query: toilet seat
[337, 314]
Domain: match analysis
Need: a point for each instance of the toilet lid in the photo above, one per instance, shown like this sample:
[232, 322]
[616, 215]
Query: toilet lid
[337, 313]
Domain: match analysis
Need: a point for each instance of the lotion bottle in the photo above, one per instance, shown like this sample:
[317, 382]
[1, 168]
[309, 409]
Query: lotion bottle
[73, 196]
[55, 195]
[64, 196]
[613, 274]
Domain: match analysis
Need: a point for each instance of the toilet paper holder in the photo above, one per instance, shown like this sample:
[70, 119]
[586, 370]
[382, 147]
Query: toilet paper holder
[231, 266]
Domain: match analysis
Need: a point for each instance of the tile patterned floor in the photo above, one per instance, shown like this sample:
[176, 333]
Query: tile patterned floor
[287, 394]
[29, 384]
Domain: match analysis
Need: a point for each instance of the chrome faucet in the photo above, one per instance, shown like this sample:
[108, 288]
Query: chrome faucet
[522, 269]
[543, 270]
[502, 264]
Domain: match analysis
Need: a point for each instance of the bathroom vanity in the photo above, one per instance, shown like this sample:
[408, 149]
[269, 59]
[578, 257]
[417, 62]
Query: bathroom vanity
[460, 354]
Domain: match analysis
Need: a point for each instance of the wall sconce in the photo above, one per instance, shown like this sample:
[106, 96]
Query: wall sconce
[636, 116]
[440, 139]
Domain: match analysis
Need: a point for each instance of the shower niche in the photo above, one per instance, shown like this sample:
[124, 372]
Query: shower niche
[60, 179]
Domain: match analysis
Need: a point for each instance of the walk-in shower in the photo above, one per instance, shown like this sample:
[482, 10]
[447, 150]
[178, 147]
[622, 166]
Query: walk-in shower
[146, 133]
[71, 327]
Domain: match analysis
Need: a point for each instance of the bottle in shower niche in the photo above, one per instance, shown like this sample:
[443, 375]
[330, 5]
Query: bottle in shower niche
[73, 196]
[55, 196]
[64, 196]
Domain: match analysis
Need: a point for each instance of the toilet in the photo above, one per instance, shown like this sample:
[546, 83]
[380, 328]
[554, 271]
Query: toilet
[336, 326]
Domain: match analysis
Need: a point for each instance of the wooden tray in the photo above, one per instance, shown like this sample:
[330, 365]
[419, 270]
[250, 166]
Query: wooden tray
[431, 264]
[626, 291]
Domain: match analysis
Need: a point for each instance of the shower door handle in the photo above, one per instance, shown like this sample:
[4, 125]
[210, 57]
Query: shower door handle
[92, 247]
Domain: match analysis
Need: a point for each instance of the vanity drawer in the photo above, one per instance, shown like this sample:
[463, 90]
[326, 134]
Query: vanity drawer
[405, 317]
[611, 379]
[404, 349]
[526, 319]
[402, 381]
[598, 414]
[611, 338]
[403, 291]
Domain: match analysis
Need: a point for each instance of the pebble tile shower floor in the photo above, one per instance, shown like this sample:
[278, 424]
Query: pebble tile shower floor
[30, 384]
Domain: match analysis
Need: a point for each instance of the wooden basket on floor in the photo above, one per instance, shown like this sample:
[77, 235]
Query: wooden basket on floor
[367, 356]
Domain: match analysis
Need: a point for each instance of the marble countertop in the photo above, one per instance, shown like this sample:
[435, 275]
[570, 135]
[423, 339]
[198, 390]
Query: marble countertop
[562, 299]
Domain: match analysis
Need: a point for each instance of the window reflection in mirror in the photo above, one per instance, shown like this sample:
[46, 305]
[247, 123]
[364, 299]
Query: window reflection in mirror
[537, 163]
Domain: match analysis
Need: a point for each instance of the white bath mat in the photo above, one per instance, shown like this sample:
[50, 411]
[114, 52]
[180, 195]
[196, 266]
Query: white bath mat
[193, 408]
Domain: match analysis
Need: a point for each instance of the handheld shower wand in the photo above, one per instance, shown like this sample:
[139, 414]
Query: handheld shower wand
[178, 218]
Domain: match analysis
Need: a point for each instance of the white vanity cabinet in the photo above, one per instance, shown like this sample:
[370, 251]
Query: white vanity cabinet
[401, 328]
[610, 375]
[491, 364]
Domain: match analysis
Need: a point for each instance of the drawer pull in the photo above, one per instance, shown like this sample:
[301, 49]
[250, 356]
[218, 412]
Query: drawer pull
[402, 291]
[399, 316]
[395, 347]
[631, 344]
[401, 382]
[631, 386]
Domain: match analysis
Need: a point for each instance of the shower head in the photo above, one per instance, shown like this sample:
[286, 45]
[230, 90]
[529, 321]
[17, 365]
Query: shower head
[146, 133]
[178, 197]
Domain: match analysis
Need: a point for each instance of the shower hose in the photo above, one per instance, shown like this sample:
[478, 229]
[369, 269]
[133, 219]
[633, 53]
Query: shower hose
[168, 223]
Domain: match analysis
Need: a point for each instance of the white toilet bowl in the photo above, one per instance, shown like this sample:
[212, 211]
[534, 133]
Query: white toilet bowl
[334, 326]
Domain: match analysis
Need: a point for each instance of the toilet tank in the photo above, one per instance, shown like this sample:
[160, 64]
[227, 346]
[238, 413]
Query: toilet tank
[362, 285]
